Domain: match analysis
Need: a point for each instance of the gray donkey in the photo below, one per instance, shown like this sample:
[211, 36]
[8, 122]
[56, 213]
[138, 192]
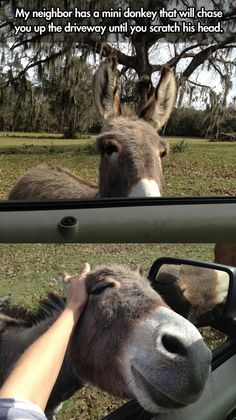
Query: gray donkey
[129, 146]
[128, 342]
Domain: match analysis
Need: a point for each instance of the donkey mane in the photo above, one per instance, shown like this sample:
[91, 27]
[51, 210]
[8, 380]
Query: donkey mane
[49, 307]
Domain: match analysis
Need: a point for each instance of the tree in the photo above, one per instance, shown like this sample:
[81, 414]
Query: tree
[68, 92]
[58, 100]
[187, 122]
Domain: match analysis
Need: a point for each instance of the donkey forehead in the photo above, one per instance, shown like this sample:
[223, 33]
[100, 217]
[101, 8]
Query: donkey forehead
[129, 299]
[126, 129]
[116, 273]
[123, 280]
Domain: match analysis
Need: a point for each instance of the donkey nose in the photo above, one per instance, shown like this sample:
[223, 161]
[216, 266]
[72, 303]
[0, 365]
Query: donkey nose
[174, 344]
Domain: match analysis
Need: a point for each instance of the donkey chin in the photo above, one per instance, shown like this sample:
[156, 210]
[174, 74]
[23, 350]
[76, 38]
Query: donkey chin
[167, 362]
[145, 188]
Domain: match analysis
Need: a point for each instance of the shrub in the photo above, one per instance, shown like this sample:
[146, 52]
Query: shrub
[180, 147]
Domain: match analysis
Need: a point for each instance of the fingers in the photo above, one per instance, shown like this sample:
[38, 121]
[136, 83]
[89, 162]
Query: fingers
[76, 294]
[66, 278]
[63, 277]
[85, 269]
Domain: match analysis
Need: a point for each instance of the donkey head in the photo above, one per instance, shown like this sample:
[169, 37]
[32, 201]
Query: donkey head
[130, 148]
[197, 293]
[130, 344]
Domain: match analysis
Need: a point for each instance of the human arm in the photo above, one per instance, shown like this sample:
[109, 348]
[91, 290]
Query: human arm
[35, 373]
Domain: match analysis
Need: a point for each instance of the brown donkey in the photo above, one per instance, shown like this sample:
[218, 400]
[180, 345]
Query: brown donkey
[225, 254]
[128, 342]
[130, 148]
[197, 293]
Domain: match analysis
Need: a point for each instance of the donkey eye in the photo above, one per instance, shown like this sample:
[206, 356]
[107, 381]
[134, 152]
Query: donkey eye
[99, 289]
[110, 148]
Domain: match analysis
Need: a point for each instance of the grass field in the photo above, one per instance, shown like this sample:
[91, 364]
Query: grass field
[204, 168]
[28, 271]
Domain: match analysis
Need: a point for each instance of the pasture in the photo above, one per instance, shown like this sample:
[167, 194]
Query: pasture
[203, 168]
[28, 271]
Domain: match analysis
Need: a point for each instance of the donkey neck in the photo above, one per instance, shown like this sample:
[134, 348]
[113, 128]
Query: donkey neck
[15, 340]
[66, 384]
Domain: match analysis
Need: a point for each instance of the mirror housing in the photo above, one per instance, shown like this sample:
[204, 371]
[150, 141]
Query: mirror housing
[221, 316]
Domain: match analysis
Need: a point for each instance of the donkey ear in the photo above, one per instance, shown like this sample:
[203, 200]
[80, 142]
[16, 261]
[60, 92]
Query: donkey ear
[105, 89]
[159, 107]
[140, 270]
[163, 148]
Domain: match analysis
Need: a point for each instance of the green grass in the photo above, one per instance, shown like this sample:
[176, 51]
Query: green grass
[204, 168]
[28, 272]
[6, 143]
[14, 138]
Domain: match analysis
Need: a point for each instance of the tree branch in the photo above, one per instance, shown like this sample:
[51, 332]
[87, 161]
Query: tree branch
[217, 69]
[30, 65]
[199, 85]
[5, 23]
[174, 61]
[204, 54]
[27, 41]
[105, 50]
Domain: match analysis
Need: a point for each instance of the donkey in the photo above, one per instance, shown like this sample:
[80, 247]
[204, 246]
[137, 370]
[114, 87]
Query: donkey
[128, 342]
[225, 254]
[129, 147]
[197, 293]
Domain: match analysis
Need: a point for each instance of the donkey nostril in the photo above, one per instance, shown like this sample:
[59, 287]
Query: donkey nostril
[174, 345]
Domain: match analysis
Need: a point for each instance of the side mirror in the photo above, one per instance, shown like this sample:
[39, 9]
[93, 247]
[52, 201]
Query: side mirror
[204, 293]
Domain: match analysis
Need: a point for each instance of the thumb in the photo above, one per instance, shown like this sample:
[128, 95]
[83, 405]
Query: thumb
[85, 269]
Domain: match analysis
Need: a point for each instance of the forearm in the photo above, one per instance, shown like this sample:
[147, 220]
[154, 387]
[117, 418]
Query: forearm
[34, 376]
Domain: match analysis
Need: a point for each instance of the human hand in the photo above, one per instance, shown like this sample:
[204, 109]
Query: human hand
[77, 295]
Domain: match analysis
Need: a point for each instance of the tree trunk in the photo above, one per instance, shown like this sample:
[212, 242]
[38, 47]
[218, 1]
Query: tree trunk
[70, 131]
[144, 71]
